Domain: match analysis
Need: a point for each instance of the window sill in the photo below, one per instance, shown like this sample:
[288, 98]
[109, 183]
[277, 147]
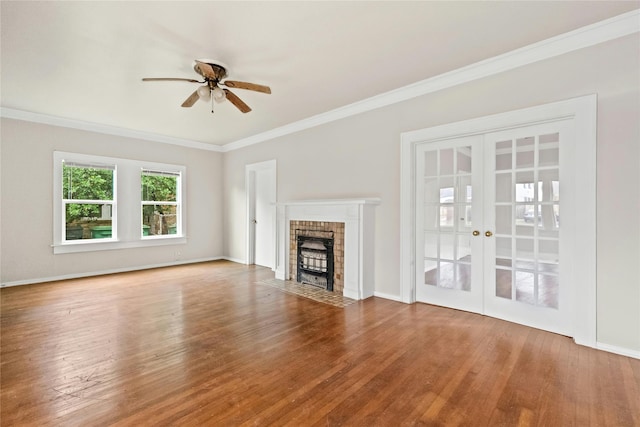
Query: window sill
[112, 244]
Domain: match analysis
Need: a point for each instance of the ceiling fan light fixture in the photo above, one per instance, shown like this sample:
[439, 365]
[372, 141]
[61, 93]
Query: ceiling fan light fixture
[204, 93]
[218, 94]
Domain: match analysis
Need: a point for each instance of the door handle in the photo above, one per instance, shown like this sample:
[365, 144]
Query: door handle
[255, 221]
[488, 233]
[476, 233]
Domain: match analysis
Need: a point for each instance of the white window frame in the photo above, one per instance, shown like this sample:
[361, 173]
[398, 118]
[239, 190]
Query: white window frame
[112, 203]
[178, 203]
[126, 213]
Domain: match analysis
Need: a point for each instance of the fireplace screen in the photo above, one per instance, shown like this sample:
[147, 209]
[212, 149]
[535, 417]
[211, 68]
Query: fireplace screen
[315, 259]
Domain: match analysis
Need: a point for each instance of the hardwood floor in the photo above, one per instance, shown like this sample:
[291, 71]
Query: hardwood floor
[205, 344]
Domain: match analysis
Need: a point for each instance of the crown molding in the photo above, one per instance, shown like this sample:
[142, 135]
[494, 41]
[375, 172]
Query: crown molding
[590, 35]
[600, 32]
[27, 116]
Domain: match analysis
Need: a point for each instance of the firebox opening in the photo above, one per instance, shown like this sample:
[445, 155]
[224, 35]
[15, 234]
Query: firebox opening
[315, 261]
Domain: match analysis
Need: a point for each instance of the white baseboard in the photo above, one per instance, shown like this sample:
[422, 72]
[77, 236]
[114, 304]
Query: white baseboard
[618, 350]
[387, 296]
[101, 272]
[236, 260]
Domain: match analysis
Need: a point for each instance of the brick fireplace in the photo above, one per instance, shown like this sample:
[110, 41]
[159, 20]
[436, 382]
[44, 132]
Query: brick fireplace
[320, 230]
[351, 221]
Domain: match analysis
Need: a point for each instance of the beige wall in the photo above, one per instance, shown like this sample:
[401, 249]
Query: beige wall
[27, 202]
[360, 157]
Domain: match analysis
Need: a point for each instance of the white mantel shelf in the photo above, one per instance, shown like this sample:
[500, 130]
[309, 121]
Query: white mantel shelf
[359, 228]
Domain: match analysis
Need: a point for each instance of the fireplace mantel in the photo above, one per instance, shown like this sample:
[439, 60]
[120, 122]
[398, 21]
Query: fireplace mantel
[359, 222]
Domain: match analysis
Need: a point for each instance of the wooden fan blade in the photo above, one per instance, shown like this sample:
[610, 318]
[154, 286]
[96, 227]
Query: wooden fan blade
[237, 101]
[206, 70]
[248, 86]
[191, 99]
[159, 79]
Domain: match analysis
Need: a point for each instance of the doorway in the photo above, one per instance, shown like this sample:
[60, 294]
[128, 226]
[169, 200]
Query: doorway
[261, 213]
[481, 205]
[489, 210]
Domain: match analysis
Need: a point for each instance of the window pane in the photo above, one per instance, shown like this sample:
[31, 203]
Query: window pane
[87, 183]
[159, 220]
[87, 221]
[159, 188]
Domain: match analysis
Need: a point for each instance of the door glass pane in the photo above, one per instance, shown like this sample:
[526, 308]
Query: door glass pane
[549, 225]
[525, 190]
[503, 219]
[503, 251]
[463, 249]
[503, 188]
[548, 251]
[463, 159]
[446, 278]
[431, 217]
[548, 151]
[525, 152]
[525, 254]
[525, 287]
[548, 290]
[503, 283]
[526, 219]
[463, 189]
[549, 185]
[446, 161]
[431, 190]
[431, 163]
[503, 155]
[464, 218]
[446, 246]
[446, 216]
[463, 276]
[446, 193]
[431, 245]
[430, 272]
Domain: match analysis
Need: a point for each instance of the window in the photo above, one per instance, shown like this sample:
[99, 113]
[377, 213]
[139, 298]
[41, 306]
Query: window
[88, 200]
[110, 203]
[160, 202]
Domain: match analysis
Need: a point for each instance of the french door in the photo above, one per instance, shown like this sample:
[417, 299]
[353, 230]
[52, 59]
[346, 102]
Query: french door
[488, 225]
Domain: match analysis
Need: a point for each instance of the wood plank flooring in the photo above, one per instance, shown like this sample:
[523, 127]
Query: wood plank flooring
[206, 344]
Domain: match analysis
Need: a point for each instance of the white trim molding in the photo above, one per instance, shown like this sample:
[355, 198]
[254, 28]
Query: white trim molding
[103, 272]
[45, 119]
[582, 112]
[618, 350]
[270, 167]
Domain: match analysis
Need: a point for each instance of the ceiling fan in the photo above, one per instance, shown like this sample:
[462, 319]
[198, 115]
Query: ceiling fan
[213, 73]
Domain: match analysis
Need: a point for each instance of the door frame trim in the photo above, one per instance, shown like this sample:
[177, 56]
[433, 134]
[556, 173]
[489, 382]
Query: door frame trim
[583, 112]
[250, 190]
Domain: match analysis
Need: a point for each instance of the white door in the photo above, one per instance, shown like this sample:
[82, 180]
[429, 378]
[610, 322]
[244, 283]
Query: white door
[261, 217]
[523, 274]
[488, 215]
[447, 212]
[264, 220]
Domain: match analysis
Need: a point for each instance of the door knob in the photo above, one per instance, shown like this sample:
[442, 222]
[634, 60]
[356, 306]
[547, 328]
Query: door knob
[488, 233]
[255, 221]
[476, 233]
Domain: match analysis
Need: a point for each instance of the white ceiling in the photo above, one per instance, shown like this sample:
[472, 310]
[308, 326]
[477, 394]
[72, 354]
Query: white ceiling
[84, 61]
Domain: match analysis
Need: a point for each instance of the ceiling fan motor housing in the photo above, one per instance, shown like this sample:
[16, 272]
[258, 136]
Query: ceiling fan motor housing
[218, 70]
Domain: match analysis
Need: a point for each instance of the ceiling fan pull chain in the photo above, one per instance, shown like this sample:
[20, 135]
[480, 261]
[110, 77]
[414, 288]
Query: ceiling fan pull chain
[212, 105]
